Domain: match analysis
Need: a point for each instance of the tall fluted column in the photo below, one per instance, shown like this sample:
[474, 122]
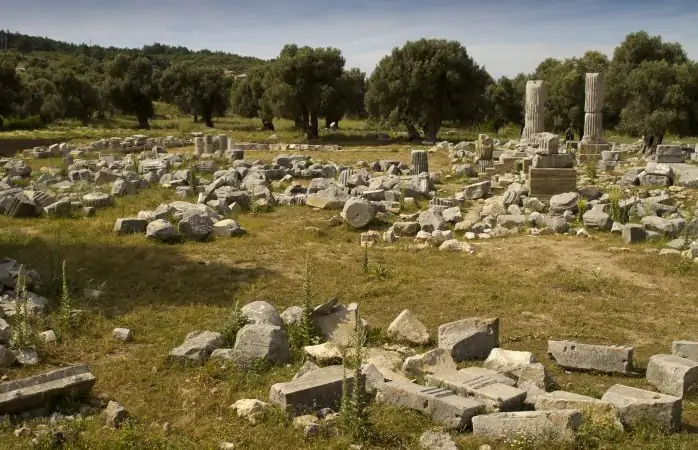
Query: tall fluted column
[534, 112]
[593, 107]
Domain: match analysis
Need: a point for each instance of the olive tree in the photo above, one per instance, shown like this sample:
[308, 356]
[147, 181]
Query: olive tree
[425, 83]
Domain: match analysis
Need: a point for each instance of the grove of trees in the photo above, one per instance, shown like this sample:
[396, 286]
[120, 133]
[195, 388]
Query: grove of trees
[651, 86]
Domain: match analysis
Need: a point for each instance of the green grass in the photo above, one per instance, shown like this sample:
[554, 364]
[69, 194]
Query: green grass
[541, 288]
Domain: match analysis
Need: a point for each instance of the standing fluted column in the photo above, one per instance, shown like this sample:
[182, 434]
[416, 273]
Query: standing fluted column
[593, 107]
[534, 112]
[420, 163]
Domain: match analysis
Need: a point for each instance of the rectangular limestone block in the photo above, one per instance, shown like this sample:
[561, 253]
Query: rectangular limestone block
[570, 400]
[672, 374]
[443, 406]
[544, 183]
[497, 396]
[319, 388]
[685, 349]
[603, 358]
[28, 393]
[558, 161]
[560, 424]
[638, 406]
[670, 154]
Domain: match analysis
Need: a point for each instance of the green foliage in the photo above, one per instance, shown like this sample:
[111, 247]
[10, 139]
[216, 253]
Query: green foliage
[582, 206]
[24, 123]
[591, 169]
[300, 75]
[65, 312]
[616, 212]
[354, 404]
[364, 261]
[131, 86]
[425, 83]
[235, 321]
[505, 102]
[23, 328]
[201, 91]
[10, 86]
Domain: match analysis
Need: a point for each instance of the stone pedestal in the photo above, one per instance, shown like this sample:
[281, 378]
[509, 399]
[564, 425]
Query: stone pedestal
[591, 152]
[208, 144]
[534, 113]
[420, 163]
[222, 142]
[198, 145]
[544, 183]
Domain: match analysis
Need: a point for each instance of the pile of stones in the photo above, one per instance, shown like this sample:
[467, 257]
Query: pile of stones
[511, 394]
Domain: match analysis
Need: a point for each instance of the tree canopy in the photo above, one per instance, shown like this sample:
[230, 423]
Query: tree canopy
[425, 83]
[651, 86]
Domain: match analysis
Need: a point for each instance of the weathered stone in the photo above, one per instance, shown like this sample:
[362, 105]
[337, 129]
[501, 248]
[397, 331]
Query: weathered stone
[561, 424]
[639, 407]
[633, 233]
[227, 228]
[496, 396]
[196, 348]
[261, 313]
[116, 414]
[317, 389]
[562, 202]
[406, 228]
[122, 334]
[575, 355]
[433, 361]
[161, 230]
[685, 349]
[588, 406]
[325, 353]
[672, 374]
[436, 440]
[263, 341]
[29, 393]
[250, 409]
[407, 328]
[667, 153]
[472, 338]
[598, 220]
[444, 407]
[195, 225]
[477, 190]
[358, 212]
[130, 225]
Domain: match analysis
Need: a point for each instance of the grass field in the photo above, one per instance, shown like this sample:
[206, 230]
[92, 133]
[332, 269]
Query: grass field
[540, 287]
[353, 132]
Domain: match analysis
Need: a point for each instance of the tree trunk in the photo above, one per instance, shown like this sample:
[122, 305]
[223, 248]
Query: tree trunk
[430, 131]
[196, 118]
[268, 125]
[301, 122]
[328, 122]
[208, 120]
[412, 133]
[313, 129]
[143, 122]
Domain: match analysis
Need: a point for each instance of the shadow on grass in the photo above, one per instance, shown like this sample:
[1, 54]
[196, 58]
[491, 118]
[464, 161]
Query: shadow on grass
[131, 276]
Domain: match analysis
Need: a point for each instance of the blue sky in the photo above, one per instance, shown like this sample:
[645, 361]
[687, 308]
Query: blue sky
[506, 36]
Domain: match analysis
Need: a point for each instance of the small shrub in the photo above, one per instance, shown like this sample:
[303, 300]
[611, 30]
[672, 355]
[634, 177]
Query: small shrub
[21, 123]
[236, 320]
[304, 333]
[616, 213]
[382, 271]
[65, 311]
[364, 261]
[582, 205]
[591, 169]
[23, 330]
[354, 404]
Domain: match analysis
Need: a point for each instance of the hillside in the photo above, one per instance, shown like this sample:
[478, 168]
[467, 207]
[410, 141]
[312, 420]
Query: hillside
[33, 48]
